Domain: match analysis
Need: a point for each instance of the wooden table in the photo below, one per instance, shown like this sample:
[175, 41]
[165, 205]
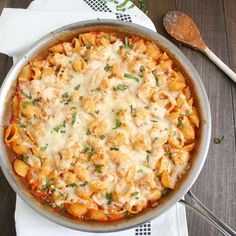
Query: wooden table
[216, 185]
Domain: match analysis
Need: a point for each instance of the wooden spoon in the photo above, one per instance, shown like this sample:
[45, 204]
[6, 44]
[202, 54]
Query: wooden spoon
[181, 27]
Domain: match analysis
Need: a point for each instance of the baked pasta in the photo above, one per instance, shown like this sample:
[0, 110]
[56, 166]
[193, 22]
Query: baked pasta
[103, 126]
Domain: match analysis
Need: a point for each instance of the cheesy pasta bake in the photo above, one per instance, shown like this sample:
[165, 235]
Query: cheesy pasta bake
[103, 126]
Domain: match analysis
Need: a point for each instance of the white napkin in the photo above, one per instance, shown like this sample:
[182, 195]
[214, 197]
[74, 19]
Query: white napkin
[19, 28]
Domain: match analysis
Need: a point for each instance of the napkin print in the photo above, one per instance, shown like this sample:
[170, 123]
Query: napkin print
[98, 5]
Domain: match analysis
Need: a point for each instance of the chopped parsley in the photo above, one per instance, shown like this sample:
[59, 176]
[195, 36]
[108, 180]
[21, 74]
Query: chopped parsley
[46, 186]
[102, 137]
[156, 78]
[154, 121]
[114, 149]
[74, 117]
[98, 168]
[140, 171]
[73, 185]
[132, 110]
[94, 90]
[180, 124]
[107, 67]
[148, 158]
[97, 112]
[108, 196]
[21, 125]
[89, 151]
[77, 87]
[165, 192]
[127, 44]
[131, 76]
[168, 154]
[24, 158]
[26, 104]
[57, 69]
[83, 184]
[26, 95]
[136, 193]
[44, 148]
[61, 208]
[219, 140]
[141, 68]
[120, 87]
[65, 98]
[88, 132]
[118, 124]
[60, 127]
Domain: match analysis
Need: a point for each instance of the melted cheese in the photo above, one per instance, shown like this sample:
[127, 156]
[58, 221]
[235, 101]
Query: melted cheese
[105, 135]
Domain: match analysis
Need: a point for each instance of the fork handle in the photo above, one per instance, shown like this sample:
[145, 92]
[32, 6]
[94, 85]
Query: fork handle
[197, 206]
[220, 63]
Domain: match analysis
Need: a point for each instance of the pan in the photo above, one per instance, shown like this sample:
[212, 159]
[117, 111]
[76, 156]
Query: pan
[199, 157]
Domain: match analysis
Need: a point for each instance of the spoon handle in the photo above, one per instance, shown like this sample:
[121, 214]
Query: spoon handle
[220, 63]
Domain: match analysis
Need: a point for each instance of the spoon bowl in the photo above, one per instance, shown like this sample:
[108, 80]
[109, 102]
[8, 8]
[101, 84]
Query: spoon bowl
[182, 28]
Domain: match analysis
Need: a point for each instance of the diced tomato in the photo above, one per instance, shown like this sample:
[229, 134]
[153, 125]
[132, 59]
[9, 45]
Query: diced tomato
[35, 184]
[135, 38]
[14, 118]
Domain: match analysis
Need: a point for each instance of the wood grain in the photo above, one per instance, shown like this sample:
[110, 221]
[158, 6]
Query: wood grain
[216, 185]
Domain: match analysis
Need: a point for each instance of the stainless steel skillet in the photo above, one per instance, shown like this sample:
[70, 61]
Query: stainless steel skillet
[198, 157]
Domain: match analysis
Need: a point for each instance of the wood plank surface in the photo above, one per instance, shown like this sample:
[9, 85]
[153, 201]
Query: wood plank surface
[216, 185]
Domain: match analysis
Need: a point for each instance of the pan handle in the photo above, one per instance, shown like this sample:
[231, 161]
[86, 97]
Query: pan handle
[197, 206]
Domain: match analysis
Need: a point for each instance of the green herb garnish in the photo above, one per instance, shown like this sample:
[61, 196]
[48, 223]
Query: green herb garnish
[120, 87]
[26, 104]
[107, 67]
[156, 78]
[21, 125]
[114, 149]
[73, 185]
[165, 192]
[132, 110]
[89, 151]
[168, 154]
[74, 117]
[127, 44]
[219, 140]
[108, 196]
[60, 127]
[141, 68]
[131, 76]
[88, 132]
[180, 124]
[98, 168]
[65, 98]
[118, 124]
[83, 184]
[148, 158]
[77, 87]
[102, 137]
[46, 186]
[44, 148]
[24, 158]
[26, 95]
